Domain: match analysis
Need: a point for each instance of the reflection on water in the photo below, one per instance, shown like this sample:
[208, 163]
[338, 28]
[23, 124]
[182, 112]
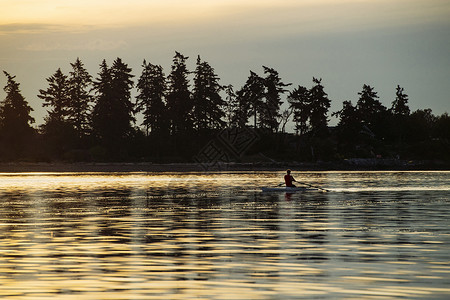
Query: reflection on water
[217, 236]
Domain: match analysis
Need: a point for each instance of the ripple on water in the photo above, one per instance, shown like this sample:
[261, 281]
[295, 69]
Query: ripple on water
[185, 236]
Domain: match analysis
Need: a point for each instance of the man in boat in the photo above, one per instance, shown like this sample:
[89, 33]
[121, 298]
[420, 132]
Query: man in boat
[288, 179]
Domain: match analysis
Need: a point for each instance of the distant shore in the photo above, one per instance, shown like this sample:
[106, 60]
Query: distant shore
[344, 165]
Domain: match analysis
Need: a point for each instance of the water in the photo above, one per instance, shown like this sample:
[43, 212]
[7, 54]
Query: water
[379, 235]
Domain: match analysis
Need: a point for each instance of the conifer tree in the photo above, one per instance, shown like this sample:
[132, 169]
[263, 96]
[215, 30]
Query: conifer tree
[299, 101]
[368, 105]
[349, 124]
[241, 108]
[250, 100]
[179, 102]
[398, 117]
[319, 105]
[57, 129]
[113, 110]
[270, 110]
[102, 112]
[56, 97]
[15, 120]
[122, 84]
[400, 104]
[208, 105]
[152, 91]
[231, 106]
[80, 98]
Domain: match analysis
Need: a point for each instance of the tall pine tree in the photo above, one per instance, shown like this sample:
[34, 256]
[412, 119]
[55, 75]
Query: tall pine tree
[400, 104]
[250, 100]
[230, 106]
[368, 105]
[270, 110]
[150, 100]
[299, 101]
[113, 111]
[15, 121]
[80, 99]
[349, 124]
[319, 104]
[102, 112]
[57, 130]
[399, 115]
[56, 97]
[179, 102]
[208, 105]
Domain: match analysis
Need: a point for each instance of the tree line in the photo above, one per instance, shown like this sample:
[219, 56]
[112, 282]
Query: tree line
[94, 119]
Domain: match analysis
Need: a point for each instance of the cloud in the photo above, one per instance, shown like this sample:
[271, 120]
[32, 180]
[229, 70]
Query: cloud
[18, 29]
[245, 17]
[21, 28]
[92, 45]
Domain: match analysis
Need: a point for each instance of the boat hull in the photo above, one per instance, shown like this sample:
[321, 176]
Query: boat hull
[286, 189]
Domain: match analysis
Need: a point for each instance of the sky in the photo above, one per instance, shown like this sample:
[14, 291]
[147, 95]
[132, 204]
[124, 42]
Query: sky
[347, 43]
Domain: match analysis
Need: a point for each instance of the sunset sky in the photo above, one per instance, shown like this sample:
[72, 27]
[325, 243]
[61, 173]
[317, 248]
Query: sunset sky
[347, 43]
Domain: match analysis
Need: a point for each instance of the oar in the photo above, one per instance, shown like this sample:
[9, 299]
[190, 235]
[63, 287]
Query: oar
[316, 187]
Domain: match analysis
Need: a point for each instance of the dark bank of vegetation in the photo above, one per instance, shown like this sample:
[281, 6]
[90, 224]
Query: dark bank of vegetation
[94, 119]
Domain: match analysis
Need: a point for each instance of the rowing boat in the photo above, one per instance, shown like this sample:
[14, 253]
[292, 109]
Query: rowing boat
[286, 189]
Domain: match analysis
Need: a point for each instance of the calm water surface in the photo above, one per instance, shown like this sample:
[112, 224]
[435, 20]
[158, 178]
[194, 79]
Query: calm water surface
[375, 235]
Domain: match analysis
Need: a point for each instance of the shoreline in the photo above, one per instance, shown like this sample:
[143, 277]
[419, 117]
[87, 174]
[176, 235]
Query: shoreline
[344, 165]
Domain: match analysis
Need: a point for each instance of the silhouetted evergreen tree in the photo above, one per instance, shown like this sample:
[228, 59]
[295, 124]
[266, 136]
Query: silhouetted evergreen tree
[80, 98]
[102, 111]
[368, 105]
[398, 121]
[113, 111]
[208, 105]
[349, 124]
[374, 116]
[319, 104]
[269, 116]
[152, 91]
[400, 104]
[56, 96]
[15, 121]
[240, 109]
[249, 100]
[231, 106]
[299, 101]
[57, 129]
[349, 131]
[179, 102]
[310, 108]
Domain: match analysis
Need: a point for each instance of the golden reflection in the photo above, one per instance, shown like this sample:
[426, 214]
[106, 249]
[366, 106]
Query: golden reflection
[103, 236]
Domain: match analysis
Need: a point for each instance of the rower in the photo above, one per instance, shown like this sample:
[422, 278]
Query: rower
[288, 179]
